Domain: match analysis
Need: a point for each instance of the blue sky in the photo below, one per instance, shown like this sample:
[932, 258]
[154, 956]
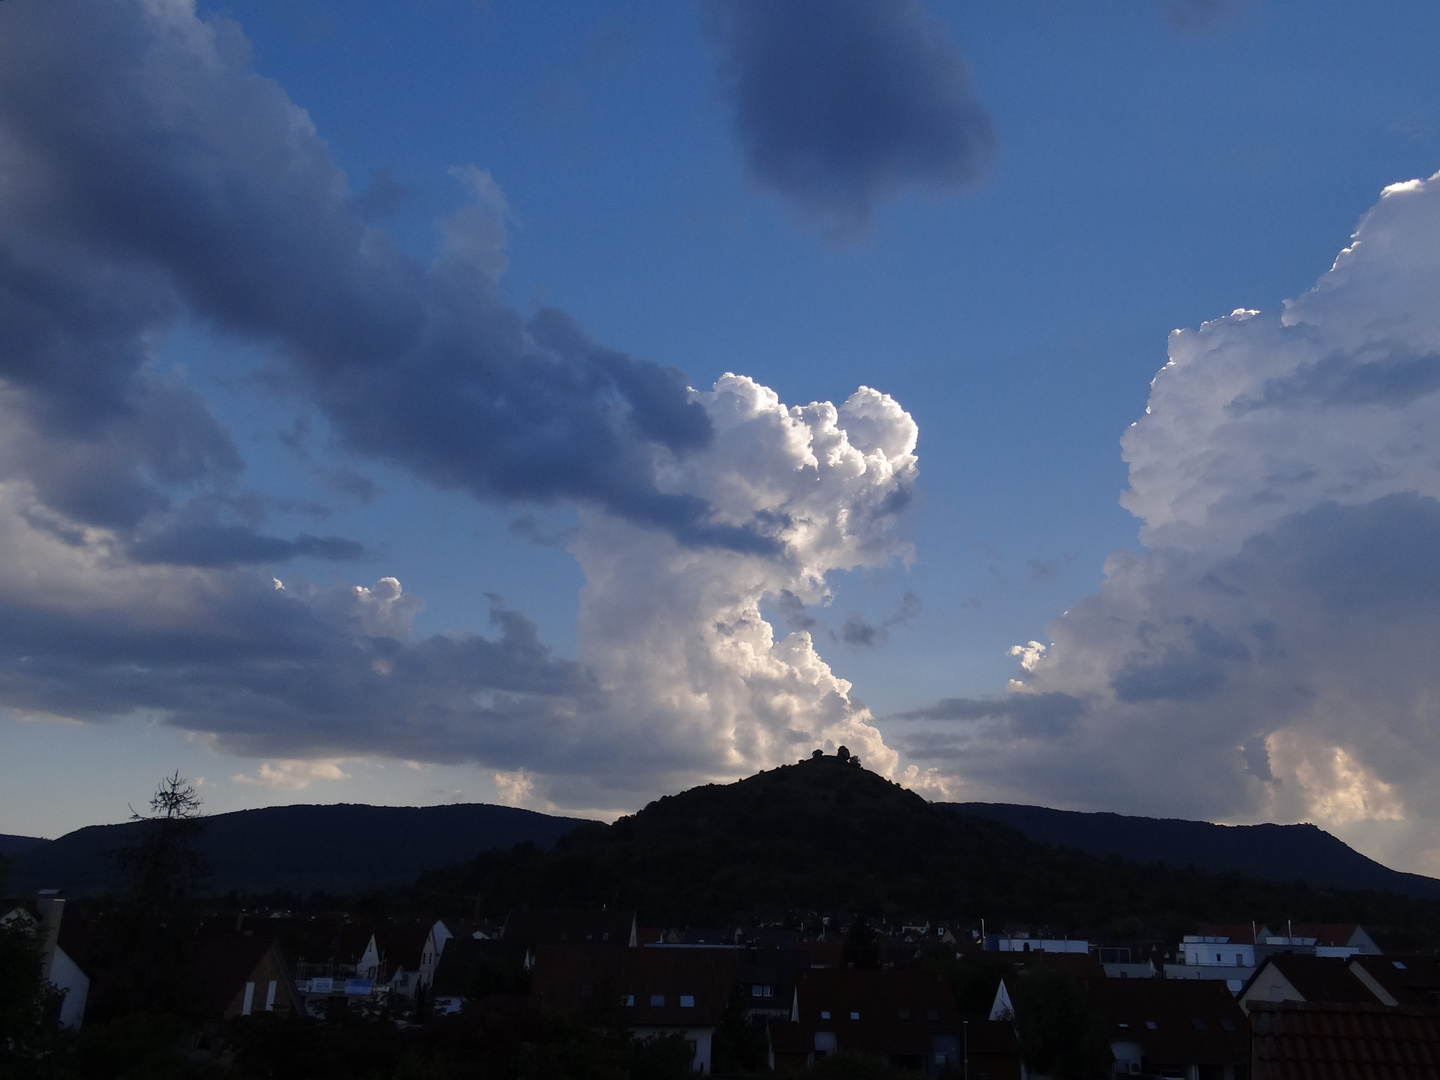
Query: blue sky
[1005, 211]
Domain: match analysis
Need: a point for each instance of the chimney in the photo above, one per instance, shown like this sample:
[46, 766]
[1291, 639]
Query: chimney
[51, 906]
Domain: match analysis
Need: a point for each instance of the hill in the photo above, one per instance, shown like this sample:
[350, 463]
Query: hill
[826, 836]
[341, 848]
[13, 845]
[1275, 852]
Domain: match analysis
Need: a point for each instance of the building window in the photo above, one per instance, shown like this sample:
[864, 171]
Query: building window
[932, 1014]
[902, 1014]
[854, 1016]
[657, 1001]
[824, 1014]
[627, 1000]
[1198, 1023]
[687, 1001]
[1152, 1025]
[762, 990]
[1226, 1024]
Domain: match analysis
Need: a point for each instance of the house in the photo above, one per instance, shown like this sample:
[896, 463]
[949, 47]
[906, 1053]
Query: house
[1302, 978]
[1410, 981]
[246, 974]
[990, 1050]
[1021, 942]
[431, 953]
[1306, 1041]
[650, 991]
[766, 978]
[471, 969]
[571, 926]
[1223, 953]
[1337, 939]
[907, 1018]
[57, 964]
[1186, 1030]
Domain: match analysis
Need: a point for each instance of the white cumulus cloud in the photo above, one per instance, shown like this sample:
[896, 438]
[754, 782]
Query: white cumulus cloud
[1269, 656]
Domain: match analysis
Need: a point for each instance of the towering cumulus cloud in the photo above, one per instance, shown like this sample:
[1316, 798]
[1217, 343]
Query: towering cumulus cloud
[680, 635]
[148, 178]
[1270, 654]
[840, 103]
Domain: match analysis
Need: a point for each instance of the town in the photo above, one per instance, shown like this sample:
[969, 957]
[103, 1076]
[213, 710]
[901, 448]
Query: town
[606, 989]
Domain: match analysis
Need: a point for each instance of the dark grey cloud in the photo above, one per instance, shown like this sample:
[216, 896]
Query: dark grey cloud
[537, 532]
[838, 104]
[859, 633]
[311, 685]
[1391, 376]
[792, 611]
[152, 174]
[1190, 671]
[1027, 715]
[213, 545]
[856, 631]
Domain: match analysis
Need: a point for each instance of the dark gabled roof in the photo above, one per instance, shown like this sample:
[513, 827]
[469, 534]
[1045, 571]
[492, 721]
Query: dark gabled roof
[1195, 1021]
[351, 941]
[775, 967]
[464, 957]
[569, 926]
[1294, 1041]
[402, 946]
[885, 1011]
[225, 963]
[573, 978]
[1317, 978]
[1410, 980]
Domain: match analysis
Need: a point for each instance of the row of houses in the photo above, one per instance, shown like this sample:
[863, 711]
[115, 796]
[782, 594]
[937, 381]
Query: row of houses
[1185, 1018]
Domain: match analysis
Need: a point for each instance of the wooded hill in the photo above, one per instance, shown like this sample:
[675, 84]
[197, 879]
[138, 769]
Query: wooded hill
[340, 849]
[828, 836]
[1277, 852]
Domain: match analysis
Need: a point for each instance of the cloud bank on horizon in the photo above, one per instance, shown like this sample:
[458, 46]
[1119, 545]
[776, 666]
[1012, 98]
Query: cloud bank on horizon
[152, 177]
[1267, 656]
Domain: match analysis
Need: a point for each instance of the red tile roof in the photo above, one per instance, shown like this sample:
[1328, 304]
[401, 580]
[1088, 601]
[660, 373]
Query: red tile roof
[652, 987]
[1317, 978]
[1191, 1021]
[1410, 980]
[1295, 1041]
[875, 1011]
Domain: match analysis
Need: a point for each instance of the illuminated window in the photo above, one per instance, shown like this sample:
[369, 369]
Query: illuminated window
[627, 1000]
[687, 1001]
